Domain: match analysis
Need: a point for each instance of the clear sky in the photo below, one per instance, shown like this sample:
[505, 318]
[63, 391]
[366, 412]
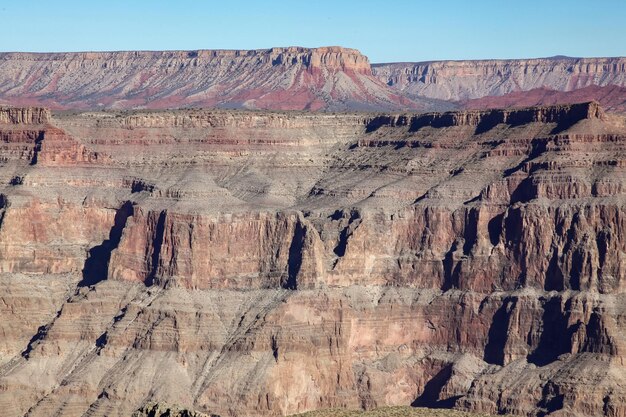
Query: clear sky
[384, 30]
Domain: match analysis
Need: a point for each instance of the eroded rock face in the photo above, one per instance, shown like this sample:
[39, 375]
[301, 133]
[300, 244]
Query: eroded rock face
[248, 263]
[464, 80]
[295, 78]
[327, 78]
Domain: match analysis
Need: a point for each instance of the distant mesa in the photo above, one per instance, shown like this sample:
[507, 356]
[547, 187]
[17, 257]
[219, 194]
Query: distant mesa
[293, 78]
[460, 81]
[329, 78]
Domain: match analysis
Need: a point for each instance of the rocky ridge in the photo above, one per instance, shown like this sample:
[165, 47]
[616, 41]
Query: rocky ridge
[264, 263]
[328, 78]
[295, 78]
[466, 80]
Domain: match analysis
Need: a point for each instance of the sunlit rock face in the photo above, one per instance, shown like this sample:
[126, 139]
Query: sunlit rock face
[464, 80]
[292, 78]
[268, 263]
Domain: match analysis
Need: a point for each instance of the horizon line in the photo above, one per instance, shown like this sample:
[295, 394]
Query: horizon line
[379, 63]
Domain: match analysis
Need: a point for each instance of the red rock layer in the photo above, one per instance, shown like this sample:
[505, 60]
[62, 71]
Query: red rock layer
[273, 263]
[610, 97]
[328, 78]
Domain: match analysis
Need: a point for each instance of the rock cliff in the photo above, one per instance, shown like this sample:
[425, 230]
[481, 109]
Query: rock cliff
[270, 263]
[328, 78]
[464, 80]
[295, 78]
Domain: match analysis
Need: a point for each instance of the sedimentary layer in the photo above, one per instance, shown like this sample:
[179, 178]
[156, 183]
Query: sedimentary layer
[270, 263]
[328, 78]
[464, 80]
[295, 78]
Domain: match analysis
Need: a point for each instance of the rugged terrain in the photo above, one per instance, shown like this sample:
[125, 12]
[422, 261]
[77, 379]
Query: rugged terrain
[295, 78]
[466, 80]
[263, 263]
[330, 78]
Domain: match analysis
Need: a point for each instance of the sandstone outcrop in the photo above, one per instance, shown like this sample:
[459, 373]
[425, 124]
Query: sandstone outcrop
[270, 263]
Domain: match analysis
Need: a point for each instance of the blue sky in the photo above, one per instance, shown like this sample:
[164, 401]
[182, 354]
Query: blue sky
[385, 30]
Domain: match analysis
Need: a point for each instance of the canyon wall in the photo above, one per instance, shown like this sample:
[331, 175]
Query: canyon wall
[295, 78]
[327, 78]
[466, 80]
[268, 263]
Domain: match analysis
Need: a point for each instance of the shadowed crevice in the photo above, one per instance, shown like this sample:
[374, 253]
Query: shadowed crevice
[538, 146]
[552, 400]
[494, 227]
[555, 334]
[275, 347]
[37, 147]
[452, 267]
[346, 232]
[430, 397]
[41, 334]
[295, 257]
[101, 341]
[498, 332]
[96, 266]
[470, 233]
[555, 280]
[157, 245]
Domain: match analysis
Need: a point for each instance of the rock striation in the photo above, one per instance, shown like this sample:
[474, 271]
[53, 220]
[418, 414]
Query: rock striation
[327, 78]
[295, 78]
[270, 263]
[466, 80]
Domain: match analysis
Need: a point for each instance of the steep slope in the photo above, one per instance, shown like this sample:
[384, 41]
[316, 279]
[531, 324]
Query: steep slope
[465, 80]
[268, 263]
[330, 78]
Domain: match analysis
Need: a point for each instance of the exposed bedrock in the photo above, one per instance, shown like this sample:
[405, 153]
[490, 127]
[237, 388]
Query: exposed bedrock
[463, 80]
[273, 263]
[476, 248]
[326, 78]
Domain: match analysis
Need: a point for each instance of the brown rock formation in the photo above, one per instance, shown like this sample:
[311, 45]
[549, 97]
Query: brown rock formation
[250, 263]
[329, 78]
